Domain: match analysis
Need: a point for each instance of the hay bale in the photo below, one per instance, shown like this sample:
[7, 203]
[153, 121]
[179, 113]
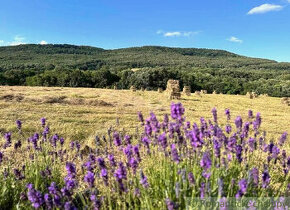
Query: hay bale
[285, 100]
[249, 95]
[197, 93]
[172, 84]
[214, 92]
[255, 95]
[174, 95]
[160, 90]
[133, 88]
[142, 89]
[172, 89]
[203, 91]
[186, 90]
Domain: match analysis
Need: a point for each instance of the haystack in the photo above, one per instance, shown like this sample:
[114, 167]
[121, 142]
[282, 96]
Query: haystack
[172, 89]
[203, 91]
[249, 95]
[286, 101]
[133, 88]
[197, 93]
[186, 90]
[160, 90]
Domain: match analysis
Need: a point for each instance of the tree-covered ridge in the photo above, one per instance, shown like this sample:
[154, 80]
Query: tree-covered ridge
[149, 66]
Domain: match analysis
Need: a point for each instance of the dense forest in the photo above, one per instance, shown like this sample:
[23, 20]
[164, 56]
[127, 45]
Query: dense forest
[149, 67]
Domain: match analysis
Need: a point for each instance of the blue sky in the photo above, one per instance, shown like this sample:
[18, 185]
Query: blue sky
[257, 28]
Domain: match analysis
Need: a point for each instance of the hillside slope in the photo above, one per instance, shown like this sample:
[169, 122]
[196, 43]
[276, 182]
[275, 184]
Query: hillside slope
[148, 67]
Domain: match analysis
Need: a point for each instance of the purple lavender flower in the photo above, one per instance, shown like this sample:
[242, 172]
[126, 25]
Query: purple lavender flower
[250, 114]
[127, 139]
[242, 188]
[214, 113]
[133, 163]
[143, 180]
[54, 140]
[177, 111]
[137, 152]
[35, 197]
[121, 172]
[254, 176]
[146, 142]
[239, 150]
[18, 174]
[53, 189]
[104, 175]
[148, 128]
[112, 160]
[96, 202]
[78, 146]
[205, 162]
[239, 123]
[128, 151]
[1, 157]
[90, 178]
[283, 138]
[163, 140]
[61, 141]
[228, 114]
[228, 128]
[101, 162]
[170, 204]
[18, 144]
[18, 124]
[174, 153]
[48, 201]
[217, 148]
[71, 170]
[202, 190]
[45, 132]
[117, 139]
[191, 178]
[72, 144]
[43, 122]
[252, 144]
[265, 179]
[246, 129]
[258, 120]
[141, 119]
[69, 206]
[88, 166]
[166, 120]
[7, 137]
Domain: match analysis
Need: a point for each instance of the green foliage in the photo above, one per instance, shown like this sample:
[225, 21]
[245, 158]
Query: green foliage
[151, 67]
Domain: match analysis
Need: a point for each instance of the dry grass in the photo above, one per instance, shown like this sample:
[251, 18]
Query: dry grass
[81, 113]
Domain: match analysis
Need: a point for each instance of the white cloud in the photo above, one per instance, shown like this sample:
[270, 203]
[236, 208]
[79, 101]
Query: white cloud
[17, 40]
[1, 42]
[177, 33]
[43, 42]
[235, 39]
[265, 8]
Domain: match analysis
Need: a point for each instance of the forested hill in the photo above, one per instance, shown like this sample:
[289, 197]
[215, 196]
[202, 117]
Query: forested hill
[149, 66]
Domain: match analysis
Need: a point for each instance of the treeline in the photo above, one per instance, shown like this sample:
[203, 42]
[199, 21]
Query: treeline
[225, 81]
[149, 67]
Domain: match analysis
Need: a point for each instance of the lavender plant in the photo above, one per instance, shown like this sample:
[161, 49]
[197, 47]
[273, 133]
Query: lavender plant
[170, 163]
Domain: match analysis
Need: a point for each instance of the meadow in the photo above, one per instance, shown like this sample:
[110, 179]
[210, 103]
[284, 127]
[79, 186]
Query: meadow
[99, 153]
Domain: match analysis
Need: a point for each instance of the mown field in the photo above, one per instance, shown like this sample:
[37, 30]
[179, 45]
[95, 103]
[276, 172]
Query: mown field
[82, 113]
[160, 164]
